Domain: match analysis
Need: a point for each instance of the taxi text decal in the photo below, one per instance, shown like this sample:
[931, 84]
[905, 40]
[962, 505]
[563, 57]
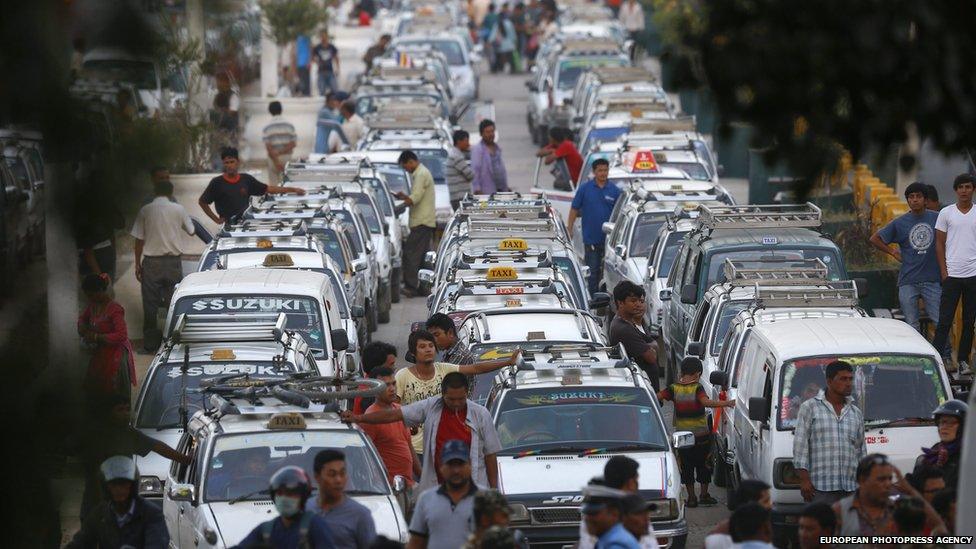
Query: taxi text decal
[570, 397]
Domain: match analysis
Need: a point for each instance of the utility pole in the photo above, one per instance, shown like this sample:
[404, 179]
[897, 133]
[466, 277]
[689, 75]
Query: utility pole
[196, 32]
[269, 60]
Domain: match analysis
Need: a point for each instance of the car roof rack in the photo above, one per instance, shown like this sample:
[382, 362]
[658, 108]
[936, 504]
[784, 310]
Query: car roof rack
[842, 293]
[579, 315]
[496, 228]
[622, 75]
[802, 272]
[540, 260]
[579, 354]
[768, 216]
[466, 288]
[265, 227]
[664, 126]
[244, 328]
[381, 121]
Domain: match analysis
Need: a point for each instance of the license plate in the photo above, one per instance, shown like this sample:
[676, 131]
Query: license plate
[509, 291]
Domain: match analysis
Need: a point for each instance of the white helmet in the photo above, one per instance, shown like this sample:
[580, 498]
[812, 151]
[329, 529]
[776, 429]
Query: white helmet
[119, 468]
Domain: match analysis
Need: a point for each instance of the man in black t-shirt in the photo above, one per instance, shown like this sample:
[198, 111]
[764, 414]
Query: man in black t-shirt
[628, 328]
[231, 191]
[326, 56]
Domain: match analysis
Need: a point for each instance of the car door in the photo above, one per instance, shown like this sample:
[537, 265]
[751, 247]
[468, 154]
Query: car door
[674, 281]
[613, 271]
[172, 509]
[764, 440]
[186, 510]
[746, 439]
[686, 310]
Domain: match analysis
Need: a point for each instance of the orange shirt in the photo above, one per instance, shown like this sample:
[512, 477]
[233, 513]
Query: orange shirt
[392, 441]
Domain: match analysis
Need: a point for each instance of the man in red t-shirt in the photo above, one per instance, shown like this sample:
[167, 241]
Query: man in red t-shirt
[561, 146]
[392, 440]
[231, 191]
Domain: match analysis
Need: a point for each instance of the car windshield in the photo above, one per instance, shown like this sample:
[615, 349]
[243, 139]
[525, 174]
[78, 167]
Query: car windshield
[434, 160]
[330, 241]
[725, 316]
[645, 233]
[140, 73]
[303, 315]
[579, 417]
[365, 207]
[600, 135]
[887, 387]
[571, 70]
[241, 464]
[694, 170]
[772, 257]
[450, 48]
[352, 234]
[382, 197]
[670, 252]
[160, 407]
[396, 179]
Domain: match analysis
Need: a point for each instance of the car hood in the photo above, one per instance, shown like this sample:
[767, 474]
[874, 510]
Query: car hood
[637, 269]
[556, 474]
[234, 522]
[153, 464]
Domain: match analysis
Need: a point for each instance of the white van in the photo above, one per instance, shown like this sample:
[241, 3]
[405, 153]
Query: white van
[898, 380]
[307, 298]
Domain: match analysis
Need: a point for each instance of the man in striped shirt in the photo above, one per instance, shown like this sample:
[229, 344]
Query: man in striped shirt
[280, 140]
[459, 173]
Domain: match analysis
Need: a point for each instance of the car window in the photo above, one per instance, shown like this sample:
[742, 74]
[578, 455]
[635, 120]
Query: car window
[645, 233]
[330, 242]
[450, 48]
[699, 323]
[779, 256]
[434, 160]
[365, 207]
[721, 325]
[671, 248]
[742, 362]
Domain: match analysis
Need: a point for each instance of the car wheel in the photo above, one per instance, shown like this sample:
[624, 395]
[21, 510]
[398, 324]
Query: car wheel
[720, 474]
[669, 369]
[372, 320]
[383, 315]
[396, 279]
[732, 484]
[679, 542]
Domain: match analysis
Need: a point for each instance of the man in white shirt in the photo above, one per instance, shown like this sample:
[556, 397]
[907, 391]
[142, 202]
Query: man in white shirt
[955, 249]
[158, 230]
[353, 125]
[280, 140]
[631, 16]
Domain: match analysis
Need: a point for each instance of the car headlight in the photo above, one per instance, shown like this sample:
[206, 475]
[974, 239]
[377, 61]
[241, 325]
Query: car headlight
[519, 514]
[150, 486]
[785, 476]
[663, 509]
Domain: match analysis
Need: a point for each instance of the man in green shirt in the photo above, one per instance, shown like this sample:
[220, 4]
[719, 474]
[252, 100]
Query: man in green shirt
[422, 221]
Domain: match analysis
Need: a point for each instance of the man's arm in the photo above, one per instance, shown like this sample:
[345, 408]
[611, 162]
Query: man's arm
[880, 244]
[573, 214]
[489, 365]
[209, 212]
[491, 469]
[137, 248]
[801, 452]
[391, 415]
[285, 190]
[167, 452]
[88, 254]
[476, 168]
[417, 542]
[940, 246]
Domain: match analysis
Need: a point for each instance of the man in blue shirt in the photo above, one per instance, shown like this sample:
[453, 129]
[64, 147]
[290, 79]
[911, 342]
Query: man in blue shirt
[303, 64]
[328, 120]
[593, 202]
[914, 233]
[601, 513]
[294, 526]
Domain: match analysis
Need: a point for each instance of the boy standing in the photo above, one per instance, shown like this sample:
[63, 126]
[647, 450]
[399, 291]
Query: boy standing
[690, 402]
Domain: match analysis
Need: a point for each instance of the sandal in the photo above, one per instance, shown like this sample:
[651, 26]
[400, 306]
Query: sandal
[707, 499]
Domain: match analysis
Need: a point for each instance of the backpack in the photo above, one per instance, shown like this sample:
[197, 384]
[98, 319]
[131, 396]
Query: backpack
[303, 527]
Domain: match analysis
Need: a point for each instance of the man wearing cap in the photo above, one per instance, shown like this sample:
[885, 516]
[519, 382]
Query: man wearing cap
[620, 473]
[602, 513]
[491, 510]
[443, 514]
[446, 417]
[231, 191]
[125, 519]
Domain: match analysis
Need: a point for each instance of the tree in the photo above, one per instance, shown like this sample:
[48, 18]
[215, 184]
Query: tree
[288, 19]
[811, 75]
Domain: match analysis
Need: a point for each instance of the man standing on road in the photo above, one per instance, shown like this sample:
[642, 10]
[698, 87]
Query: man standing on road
[158, 246]
[353, 125]
[326, 121]
[594, 200]
[627, 327]
[422, 221]
[955, 247]
[828, 439]
[487, 163]
[376, 50]
[631, 16]
[914, 233]
[231, 191]
[303, 64]
[561, 147]
[442, 517]
[620, 473]
[392, 440]
[459, 173]
[350, 522]
[444, 418]
[326, 57]
[280, 139]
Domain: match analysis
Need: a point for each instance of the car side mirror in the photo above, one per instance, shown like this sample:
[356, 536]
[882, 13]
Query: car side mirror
[340, 340]
[696, 349]
[719, 378]
[578, 119]
[689, 294]
[665, 294]
[14, 195]
[861, 285]
[621, 250]
[599, 300]
[607, 227]
[430, 259]
[758, 409]
[399, 484]
[425, 276]
[531, 86]
[210, 536]
[357, 311]
[359, 265]
[585, 271]
[183, 492]
[650, 272]
[683, 439]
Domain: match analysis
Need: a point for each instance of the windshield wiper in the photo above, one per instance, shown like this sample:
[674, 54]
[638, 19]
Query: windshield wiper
[364, 493]
[624, 448]
[889, 423]
[247, 496]
[553, 450]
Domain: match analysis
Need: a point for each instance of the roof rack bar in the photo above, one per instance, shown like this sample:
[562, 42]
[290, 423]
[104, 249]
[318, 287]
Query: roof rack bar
[231, 328]
[799, 271]
[760, 216]
[834, 294]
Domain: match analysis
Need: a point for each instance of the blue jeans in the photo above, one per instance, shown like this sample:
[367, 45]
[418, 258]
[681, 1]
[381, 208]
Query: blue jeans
[327, 82]
[593, 256]
[908, 294]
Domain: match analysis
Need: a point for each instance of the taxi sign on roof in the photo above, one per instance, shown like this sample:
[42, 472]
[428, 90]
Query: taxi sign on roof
[644, 162]
[499, 272]
[516, 244]
[264, 243]
[278, 260]
[513, 302]
[287, 421]
[222, 354]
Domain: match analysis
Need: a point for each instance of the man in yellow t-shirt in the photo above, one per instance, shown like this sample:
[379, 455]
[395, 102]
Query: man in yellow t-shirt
[422, 219]
[423, 379]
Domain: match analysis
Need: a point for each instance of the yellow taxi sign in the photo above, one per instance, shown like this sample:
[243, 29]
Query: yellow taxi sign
[636, 113]
[265, 243]
[644, 162]
[287, 421]
[499, 272]
[222, 354]
[278, 260]
[513, 302]
[513, 244]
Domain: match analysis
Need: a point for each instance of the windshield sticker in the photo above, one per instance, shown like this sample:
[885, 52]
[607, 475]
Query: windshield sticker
[224, 369]
[577, 397]
[247, 304]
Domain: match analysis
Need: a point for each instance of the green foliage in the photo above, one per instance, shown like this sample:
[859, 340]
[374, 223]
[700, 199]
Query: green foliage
[290, 18]
[853, 241]
[807, 75]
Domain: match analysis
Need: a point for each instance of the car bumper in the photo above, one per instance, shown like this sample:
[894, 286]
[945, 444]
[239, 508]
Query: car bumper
[566, 536]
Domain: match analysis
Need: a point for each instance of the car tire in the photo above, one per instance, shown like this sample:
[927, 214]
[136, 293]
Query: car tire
[383, 315]
[396, 279]
[364, 335]
[733, 478]
[372, 319]
[670, 368]
[679, 542]
[720, 475]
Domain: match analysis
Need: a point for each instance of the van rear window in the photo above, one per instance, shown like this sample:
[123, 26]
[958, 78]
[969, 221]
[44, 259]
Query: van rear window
[877, 379]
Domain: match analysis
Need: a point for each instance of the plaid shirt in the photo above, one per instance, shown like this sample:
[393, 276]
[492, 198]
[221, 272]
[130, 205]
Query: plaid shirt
[458, 354]
[827, 446]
